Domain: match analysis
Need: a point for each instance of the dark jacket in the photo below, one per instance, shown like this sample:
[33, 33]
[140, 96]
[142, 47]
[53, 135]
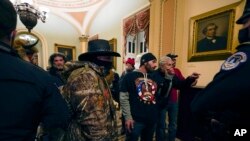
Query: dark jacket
[58, 79]
[227, 96]
[27, 98]
[165, 85]
[218, 43]
[115, 87]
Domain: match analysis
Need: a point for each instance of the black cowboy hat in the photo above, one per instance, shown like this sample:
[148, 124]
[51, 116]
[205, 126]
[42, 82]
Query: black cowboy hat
[98, 47]
[246, 13]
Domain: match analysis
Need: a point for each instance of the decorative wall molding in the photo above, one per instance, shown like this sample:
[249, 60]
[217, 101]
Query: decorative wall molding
[84, 38]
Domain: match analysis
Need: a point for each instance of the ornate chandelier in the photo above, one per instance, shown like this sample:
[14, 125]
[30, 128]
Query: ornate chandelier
[29, 15]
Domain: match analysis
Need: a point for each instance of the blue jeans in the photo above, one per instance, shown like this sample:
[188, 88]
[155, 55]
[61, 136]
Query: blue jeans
[172, 109]
[143, 130]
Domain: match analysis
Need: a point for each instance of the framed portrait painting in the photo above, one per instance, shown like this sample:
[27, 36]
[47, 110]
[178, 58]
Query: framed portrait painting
[211, 34]
[68, 51]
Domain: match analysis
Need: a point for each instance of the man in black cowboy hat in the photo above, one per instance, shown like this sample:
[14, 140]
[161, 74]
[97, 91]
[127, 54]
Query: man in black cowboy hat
[225, 99]
[89, 94]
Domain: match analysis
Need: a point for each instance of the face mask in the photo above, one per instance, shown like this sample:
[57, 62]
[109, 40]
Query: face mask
[107, 66]
[243, 35]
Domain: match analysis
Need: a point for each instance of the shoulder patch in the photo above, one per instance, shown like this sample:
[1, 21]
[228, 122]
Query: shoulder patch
[234, 61]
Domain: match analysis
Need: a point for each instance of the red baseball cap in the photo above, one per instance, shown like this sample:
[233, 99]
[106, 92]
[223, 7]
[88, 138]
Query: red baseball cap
[130, 61]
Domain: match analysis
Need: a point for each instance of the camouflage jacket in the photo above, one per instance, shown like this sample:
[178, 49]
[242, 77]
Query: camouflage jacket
[89, 97]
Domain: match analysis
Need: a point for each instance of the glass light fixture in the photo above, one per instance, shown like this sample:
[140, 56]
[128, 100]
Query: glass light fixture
[28, 14]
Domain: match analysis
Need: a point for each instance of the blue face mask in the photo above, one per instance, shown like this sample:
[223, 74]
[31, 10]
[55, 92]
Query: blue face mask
[243, 35]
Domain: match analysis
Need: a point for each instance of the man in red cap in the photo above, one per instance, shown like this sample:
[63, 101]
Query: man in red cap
[222, 104]
[129, 66]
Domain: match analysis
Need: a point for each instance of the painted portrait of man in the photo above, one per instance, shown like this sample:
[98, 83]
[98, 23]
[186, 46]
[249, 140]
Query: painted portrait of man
[211, 41]
[211, 34]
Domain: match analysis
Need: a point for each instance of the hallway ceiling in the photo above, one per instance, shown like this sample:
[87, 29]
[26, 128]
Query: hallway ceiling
[79, 13]
[68, 5]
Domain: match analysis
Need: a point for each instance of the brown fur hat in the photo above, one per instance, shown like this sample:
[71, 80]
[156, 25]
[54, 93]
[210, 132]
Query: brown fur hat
[22, 52]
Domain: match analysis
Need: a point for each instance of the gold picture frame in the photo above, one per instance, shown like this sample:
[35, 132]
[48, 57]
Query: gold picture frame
[113, 45]
[222, 21]
[68, 51]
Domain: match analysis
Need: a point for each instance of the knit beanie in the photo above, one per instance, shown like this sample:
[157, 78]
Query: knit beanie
[147, 57]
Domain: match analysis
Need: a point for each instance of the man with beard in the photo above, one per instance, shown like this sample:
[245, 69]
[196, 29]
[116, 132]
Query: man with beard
[87, 91]
[222, 104]
[169, 80]
[57, 61]
[138, 102]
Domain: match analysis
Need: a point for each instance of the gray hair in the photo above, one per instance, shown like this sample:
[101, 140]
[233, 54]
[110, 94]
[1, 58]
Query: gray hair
[163, 60]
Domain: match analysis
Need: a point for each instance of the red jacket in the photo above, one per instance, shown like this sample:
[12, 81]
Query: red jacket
[173, 96]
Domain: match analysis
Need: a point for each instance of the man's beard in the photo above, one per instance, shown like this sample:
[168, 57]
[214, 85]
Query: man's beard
[148, 68]
[243, 35]
[58, 68]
